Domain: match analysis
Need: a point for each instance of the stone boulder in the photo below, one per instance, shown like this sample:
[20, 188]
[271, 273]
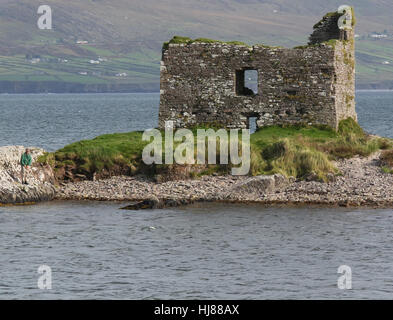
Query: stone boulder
[41, 178]
[258, 185]
[151, 203]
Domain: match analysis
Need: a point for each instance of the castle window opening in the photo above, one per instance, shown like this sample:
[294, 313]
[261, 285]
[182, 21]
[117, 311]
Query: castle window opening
[246, 82]
[292, 92]
[252, 124]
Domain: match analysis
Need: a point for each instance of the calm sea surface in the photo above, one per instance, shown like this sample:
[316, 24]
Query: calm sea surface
[208, 251]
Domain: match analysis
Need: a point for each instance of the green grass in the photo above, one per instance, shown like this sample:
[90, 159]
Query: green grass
[102, 152]
[301, 150]
[387, 170]
[298, 151]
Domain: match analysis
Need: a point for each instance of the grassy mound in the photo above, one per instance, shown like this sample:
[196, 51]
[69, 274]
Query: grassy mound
[109, 153]
[298, 151]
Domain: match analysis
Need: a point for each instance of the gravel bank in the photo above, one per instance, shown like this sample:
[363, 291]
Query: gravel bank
[362, 184]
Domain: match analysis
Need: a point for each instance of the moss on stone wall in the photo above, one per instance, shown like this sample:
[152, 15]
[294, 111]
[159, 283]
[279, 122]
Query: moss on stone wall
[206, 40]
[349, 59]
[187, 40]
[335, 13]
[353, 17]
[177, 40]
[349, 98]
[268, 47]
[328, 15]
[331, 42]
[306, 46]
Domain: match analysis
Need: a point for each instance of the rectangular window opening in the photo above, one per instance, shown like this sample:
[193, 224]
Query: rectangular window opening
[252, 124]
[291, 92]
[246, 82]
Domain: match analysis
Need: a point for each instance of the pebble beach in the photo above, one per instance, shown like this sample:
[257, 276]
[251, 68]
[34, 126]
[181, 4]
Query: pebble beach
[361, 183]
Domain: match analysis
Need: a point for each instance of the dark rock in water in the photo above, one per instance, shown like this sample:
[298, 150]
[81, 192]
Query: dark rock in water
[154, 203]
[176, 202]
[151, 203]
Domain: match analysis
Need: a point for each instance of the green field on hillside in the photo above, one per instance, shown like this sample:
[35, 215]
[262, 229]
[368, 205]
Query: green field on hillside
[129, 36]
[113, 68]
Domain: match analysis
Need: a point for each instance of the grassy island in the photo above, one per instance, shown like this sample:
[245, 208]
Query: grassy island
[298, 151]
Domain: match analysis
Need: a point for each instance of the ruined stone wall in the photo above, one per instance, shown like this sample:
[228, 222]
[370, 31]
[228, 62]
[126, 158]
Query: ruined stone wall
[312, 85]
[344, 85]
[326, 29]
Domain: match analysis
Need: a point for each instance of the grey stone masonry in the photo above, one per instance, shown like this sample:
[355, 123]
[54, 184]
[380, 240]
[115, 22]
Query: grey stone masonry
[204, 82]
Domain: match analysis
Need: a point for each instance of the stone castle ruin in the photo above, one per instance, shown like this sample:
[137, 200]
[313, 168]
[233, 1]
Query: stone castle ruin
[205, 81]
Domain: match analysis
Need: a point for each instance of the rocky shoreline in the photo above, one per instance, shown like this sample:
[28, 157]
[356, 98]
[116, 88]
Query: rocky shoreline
[362, 183]
[41, 178]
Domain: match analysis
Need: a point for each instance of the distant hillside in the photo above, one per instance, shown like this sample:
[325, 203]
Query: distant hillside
[124, 38]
